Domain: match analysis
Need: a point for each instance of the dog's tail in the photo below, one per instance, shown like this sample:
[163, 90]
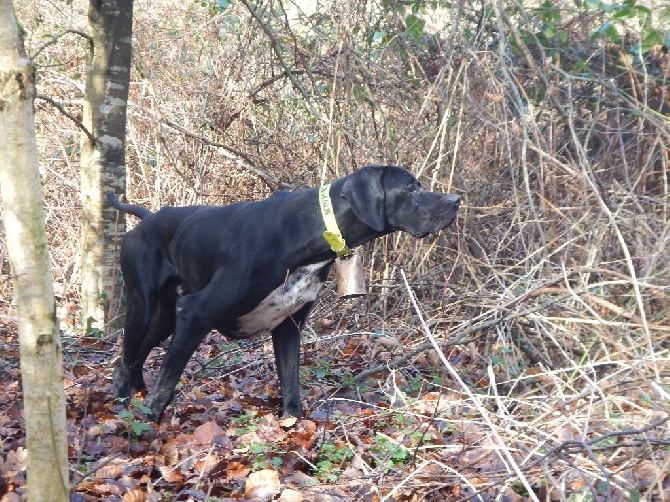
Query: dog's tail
[139, 211]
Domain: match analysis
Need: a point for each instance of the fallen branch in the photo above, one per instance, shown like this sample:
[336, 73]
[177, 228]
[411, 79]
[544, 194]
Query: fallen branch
[572, 447]
[462, 331]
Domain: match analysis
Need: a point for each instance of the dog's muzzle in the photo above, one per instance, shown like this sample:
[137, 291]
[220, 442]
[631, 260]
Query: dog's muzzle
[432, 213]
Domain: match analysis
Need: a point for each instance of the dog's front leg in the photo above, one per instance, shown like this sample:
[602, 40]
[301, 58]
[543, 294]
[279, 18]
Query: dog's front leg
[191, 328]
[286, 344]
[171, 370]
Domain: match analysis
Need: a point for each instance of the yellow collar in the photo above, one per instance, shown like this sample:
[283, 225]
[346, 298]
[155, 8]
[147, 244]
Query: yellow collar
[332, 234]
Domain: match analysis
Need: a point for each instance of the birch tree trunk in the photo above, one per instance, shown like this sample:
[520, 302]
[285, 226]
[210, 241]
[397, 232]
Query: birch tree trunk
[103, 161]
[39, 339]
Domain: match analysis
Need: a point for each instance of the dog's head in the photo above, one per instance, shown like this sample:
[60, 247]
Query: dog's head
[389, 198]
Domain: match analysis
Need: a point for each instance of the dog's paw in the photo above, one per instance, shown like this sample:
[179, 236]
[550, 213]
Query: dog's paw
[154, 405]
[292, 411]
[153, 417]
[122, 383]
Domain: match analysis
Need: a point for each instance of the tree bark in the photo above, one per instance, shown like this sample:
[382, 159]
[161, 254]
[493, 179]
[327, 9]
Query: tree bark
[39, 338]
[103, 161]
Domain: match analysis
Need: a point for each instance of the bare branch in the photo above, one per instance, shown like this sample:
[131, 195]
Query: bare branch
[276, 47]
[232, 153]
[577, 446]
[74, 119]
[56, 38]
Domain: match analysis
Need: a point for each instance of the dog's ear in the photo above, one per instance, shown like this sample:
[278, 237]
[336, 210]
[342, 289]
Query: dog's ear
[365, 193]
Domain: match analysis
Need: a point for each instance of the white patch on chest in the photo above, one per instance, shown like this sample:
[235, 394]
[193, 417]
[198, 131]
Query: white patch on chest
[299, 288]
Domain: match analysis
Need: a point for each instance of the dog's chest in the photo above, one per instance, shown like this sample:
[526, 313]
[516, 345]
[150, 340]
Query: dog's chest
[299, 288]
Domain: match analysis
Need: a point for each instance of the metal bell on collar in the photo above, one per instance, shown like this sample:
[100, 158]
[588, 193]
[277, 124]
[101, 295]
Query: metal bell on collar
[348, 264]
[349, 275]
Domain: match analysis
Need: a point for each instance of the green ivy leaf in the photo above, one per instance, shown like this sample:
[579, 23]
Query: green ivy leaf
[593, 4]
[378, 36]
[125, 414]
[644, 15]
[139, 427]
[650, 38]
[625, 13]
[607, 30]
[549, 29]
[415, 26]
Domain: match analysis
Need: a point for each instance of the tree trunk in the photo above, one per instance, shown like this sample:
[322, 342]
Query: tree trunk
[39, 339]
[103, 161]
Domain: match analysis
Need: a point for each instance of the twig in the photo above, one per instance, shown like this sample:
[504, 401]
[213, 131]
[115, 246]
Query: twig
[276, 47]
[56, 38]
[477, 404]
[74, 119]
[650, 114]
[239, 157]
[590, 176]
[263, 85]
[571, 447]
[462, 331]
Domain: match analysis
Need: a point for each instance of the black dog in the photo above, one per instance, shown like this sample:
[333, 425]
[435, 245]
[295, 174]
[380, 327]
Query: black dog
[251, 268]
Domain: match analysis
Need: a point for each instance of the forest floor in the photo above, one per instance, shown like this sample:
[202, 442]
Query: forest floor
[221, 439]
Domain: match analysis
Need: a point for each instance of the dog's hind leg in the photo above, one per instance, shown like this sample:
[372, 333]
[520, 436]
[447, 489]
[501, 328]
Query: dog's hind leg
[126, 375]
[140, 339]
[162, 326]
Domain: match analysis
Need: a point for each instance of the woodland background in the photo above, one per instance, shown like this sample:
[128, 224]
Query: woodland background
[549, 300]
